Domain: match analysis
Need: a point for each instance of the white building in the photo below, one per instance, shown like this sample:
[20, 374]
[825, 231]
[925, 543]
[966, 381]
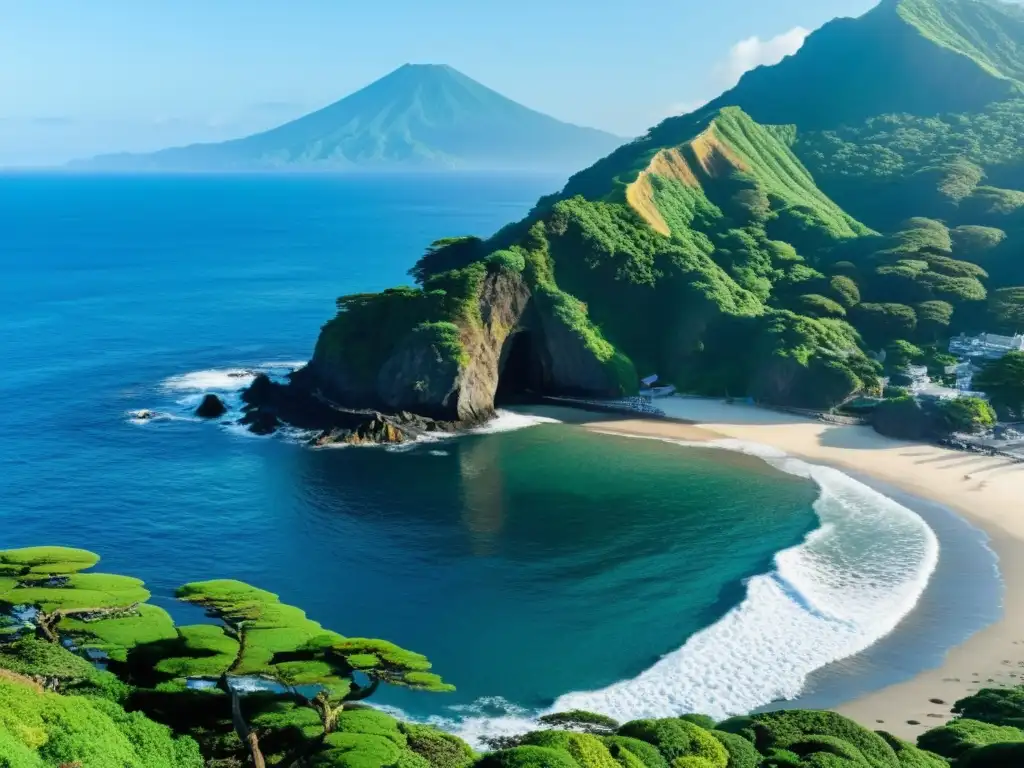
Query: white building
[988, 345]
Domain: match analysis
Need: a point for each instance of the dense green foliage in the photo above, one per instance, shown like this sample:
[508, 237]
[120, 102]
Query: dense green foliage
[968, 414]
[999, 706]
[958, 737]
[42, 729]
[993, 756]
[1003, 381]
[257, 637]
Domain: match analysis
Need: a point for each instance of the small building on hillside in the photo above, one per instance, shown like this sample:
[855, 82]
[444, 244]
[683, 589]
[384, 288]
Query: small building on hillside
[990, 346]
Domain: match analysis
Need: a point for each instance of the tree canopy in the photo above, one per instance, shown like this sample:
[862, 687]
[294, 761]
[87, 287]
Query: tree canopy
[1003, 381]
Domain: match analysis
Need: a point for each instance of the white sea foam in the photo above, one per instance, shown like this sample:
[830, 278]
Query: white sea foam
[845, 587]
[212, 380]
[508, 421]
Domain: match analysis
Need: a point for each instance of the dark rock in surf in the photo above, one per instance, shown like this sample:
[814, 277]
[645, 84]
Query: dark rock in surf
[212, 407]
[261, 422]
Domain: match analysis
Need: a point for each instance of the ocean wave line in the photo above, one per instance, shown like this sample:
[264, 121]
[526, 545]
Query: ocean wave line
[846, 586]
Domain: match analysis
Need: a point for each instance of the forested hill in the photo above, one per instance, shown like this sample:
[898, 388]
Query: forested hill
[864, 196]
[417, 117]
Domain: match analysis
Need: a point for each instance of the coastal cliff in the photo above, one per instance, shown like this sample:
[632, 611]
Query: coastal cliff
[444, 354]
[763, 246]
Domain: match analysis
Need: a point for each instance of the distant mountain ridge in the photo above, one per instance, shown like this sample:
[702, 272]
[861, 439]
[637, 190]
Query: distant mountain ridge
[425, 116]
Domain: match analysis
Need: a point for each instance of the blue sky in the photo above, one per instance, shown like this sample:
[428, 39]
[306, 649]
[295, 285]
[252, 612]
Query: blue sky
[78, 78]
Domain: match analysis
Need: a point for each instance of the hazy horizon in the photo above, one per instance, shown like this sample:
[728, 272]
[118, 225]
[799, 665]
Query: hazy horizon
[140, 79]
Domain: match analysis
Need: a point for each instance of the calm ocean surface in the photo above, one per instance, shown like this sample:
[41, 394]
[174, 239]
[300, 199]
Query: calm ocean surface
[526, 564]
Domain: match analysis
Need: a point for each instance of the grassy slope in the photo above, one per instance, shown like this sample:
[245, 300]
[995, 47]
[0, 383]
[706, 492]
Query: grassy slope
[988, 31]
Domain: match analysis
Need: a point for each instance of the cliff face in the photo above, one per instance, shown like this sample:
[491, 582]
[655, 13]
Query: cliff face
[517, 343]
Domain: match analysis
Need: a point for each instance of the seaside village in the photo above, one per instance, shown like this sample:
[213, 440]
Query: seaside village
[971, 353]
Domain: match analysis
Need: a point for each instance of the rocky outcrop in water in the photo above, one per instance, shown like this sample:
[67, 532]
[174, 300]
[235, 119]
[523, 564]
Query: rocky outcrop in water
[212, 407]
[270, 405]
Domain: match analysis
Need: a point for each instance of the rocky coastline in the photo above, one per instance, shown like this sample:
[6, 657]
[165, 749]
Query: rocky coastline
[270, 405]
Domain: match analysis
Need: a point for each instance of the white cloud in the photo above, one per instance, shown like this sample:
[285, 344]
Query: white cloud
[754, 52]
[743, 57]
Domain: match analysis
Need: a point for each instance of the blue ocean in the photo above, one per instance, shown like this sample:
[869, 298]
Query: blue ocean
[536, 564]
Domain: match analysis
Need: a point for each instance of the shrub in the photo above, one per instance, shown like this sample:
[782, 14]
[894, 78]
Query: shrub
[647, 753]
[777, 730]
[511, 261]
[816, 305]
[1003, 381]
[903, 418]
[881, 322]
[371, 722]
[955, 738]
[741, 725]
[58, 730]
[440, 749]
[447, 254]
[625, 758]
[528, 757]
[811, 745]
[782, 758]
[691, 761]
[911, 756]
[900, 354]
[844, 290]
[678, 738]
[358, 750]
[704, 721]
[741, 752]
[973, 240]
[933, 317]
[993, 756]
[1007, 308]
[993, 705]
[967, 414]
[586, 749]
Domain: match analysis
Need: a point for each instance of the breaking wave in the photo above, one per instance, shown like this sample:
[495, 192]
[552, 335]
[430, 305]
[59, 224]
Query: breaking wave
[845, 587]
[188, 390]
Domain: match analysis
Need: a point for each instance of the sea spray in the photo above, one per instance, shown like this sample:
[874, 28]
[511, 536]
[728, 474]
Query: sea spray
[845, 587]
[188, 390]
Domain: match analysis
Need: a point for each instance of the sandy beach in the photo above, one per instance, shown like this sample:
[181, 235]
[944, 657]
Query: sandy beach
[988, 492]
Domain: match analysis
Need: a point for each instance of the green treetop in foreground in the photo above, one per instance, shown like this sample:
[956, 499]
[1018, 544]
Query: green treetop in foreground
[256, 637]
[58, 710]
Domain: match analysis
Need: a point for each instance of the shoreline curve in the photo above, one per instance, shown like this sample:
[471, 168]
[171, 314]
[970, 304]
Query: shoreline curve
[984, 491]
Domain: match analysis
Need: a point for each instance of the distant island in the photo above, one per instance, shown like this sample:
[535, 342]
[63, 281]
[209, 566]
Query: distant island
[419, 117]
[812, 232]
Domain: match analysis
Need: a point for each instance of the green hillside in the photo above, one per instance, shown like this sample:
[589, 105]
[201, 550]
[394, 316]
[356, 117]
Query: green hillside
[419, 116]
[864, 196]
[989, 32]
